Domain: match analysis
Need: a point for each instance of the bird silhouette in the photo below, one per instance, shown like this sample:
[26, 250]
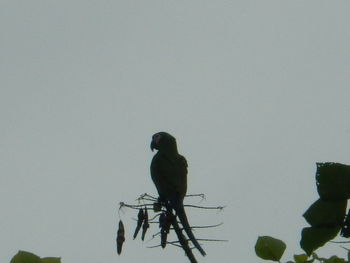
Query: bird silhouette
[169, 174]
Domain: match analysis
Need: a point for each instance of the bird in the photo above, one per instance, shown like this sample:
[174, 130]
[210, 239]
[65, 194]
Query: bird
[169, 175]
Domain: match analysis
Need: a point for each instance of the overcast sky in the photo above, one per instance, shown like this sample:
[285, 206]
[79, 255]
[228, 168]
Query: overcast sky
[256, 92]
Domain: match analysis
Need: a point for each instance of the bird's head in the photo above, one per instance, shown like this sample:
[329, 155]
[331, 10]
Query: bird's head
[163, 141]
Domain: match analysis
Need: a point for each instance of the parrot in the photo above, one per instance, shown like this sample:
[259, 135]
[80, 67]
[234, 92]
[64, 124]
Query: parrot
[169, 175]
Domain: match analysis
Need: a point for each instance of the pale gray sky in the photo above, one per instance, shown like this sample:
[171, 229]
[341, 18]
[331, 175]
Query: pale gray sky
[254, 91]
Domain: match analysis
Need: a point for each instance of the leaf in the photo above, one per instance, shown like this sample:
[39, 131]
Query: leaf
[333, 181]
[301, 258]
[334, 259]
[269, 248]
[314, 237]
[50, 260]
[25, 257]
[315, 256]
[326, 213]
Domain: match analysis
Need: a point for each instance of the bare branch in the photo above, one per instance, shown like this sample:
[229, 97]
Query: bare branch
[345, 248]
[212, 240]
[207, 207]
[137, 207]
[159, 209]
[202, 196]
[339, 242]
[168, 242]
[147, 197]
[209, 226]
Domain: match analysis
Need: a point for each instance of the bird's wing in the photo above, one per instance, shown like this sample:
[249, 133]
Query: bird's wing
[169, 174]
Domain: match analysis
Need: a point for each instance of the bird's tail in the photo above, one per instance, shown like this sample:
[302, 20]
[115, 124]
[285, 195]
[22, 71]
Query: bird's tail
[183, 219]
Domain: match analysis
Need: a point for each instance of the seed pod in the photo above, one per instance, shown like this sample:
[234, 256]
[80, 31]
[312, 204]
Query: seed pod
[145, 225]
[140, 218]
[120, 237]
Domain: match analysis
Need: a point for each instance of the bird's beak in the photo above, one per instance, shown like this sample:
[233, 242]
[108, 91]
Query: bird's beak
[153, 146]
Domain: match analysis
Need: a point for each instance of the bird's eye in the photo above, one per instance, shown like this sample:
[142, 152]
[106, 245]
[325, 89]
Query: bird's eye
[156, 138]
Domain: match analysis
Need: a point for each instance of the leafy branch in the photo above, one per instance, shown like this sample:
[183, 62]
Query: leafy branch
[327, 218]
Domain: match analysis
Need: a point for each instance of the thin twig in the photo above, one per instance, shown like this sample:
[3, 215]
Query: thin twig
[209, 226]
[154, 217]
[122, 204]
[170, 243]
[345, 248]
[206, 207]
[196, 195]
[146, 196]
[212, 240]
